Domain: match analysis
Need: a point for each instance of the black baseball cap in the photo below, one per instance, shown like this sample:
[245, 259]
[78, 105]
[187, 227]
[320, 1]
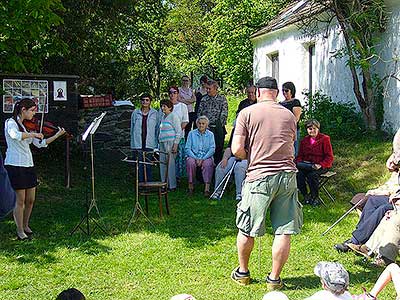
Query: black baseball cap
[267, 83]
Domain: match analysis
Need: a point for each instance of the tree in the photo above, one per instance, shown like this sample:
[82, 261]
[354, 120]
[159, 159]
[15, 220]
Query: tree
[230, 23]
[26, 34]
[359, 21]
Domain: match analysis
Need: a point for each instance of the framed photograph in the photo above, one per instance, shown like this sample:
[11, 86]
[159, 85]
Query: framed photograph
[60, 90]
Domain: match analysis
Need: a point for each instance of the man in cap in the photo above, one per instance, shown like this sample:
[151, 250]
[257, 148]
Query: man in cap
[264, 135]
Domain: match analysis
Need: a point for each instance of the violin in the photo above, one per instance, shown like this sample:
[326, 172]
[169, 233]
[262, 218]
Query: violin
[48, 128]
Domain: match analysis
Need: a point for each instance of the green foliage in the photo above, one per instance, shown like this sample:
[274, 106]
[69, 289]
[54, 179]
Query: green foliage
[26, 34]
[339, 120]
[229, 49]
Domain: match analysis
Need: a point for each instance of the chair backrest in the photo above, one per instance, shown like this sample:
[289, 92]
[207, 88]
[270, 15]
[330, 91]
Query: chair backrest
[156, 162]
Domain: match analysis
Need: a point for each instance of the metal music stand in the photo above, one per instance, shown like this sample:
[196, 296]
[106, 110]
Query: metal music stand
[137, 208]
[224, 182]
[92, 203]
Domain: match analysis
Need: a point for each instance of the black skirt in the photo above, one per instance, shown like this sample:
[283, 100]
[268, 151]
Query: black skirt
[22, 178]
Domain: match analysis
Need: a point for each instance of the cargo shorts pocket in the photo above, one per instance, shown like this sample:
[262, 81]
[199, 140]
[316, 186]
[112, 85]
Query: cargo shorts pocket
[243, 217]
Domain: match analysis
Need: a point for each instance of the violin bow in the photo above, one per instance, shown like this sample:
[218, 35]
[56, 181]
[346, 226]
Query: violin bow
[42, 119]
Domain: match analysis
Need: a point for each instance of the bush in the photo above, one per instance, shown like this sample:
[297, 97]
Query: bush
[339, 120]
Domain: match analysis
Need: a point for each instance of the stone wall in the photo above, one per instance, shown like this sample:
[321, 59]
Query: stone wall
[114, 131]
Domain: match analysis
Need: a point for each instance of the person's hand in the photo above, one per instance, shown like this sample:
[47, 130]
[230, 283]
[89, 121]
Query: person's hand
[390, 165]
[198, 162]
[38, 135]
[174, 148]
[224, 162]
[388, 214]
[316, 166]
[61, 131]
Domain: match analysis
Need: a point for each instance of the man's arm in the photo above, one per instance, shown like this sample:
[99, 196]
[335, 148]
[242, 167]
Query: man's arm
[238, 146]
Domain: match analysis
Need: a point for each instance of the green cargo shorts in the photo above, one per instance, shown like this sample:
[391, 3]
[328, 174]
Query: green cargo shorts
[277, 192]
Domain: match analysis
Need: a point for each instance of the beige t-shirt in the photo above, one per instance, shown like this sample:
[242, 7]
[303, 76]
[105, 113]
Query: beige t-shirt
[270, 130]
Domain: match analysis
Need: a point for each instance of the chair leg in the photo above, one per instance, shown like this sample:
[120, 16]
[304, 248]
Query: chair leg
[166, 202]
[147, 204]
[160, 202]
[328, 194]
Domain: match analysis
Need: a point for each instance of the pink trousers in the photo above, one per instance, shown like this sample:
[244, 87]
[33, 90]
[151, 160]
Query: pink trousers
[207, 169]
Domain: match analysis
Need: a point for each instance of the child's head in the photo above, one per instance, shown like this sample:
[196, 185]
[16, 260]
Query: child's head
[71, 294]
[334, 277]
[183, 297]
[275, 296]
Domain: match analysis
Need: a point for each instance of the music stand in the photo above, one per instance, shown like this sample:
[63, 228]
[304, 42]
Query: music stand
[90, 204]
[137, 209]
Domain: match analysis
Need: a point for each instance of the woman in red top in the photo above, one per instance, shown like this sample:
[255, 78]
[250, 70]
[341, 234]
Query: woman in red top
[315, 158]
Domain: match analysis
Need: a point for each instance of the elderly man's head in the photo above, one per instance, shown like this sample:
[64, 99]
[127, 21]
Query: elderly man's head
[212, 88]
[251, 93]
[267, 88]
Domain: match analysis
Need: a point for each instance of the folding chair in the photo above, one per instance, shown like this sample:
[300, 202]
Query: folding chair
[323, 180]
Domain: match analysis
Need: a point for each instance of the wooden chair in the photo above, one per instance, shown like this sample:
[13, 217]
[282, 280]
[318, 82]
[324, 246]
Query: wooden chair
[159, 188]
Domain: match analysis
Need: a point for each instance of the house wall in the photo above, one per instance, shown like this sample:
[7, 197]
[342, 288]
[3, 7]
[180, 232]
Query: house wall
[331, 75]
[389, 50]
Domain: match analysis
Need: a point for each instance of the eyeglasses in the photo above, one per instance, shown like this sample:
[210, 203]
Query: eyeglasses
[286, 90]
[185, 80]
[173, 92]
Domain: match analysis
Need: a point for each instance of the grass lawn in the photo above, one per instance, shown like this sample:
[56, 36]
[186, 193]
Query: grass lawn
[191, 251]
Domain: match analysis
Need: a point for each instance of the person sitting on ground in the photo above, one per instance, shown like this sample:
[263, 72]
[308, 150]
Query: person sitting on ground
[200, 148]
[228, 159]
[335, 282]
[379, 201]
[315, 157]
[71, 294]
[170, 136]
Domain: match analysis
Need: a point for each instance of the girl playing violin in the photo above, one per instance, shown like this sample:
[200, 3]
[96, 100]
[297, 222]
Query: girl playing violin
[19, 162]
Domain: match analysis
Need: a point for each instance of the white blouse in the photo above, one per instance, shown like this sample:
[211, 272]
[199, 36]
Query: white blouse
[18, 152]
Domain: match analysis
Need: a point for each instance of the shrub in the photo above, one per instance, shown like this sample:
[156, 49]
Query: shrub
[339, 120]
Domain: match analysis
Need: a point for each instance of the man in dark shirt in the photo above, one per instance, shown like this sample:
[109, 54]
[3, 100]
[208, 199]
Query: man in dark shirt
[215, 107]
[251, 99]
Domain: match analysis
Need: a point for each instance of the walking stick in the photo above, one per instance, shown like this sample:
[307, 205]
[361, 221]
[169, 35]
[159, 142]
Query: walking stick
[342, 217]
[224, 182]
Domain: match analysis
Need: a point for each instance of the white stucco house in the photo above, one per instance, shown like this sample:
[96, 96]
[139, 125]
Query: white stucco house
[283, 51]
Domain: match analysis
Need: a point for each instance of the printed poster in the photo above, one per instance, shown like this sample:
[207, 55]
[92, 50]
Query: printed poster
[60, 90]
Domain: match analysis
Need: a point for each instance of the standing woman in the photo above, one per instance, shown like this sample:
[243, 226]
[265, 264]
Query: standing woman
[19, 162]
[145, 122]
[170, 135]
[181, 111]
[187, 96]
[294, 105]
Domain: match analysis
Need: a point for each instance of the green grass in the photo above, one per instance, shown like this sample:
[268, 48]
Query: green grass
[191, 251]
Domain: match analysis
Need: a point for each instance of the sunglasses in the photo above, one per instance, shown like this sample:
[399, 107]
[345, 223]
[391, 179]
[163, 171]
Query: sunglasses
[145, 100]
[286, 90]
[173, 92]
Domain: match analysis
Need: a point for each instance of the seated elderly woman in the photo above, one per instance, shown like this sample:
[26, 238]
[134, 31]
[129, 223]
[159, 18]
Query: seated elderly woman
[315, 157]
[200, 148]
